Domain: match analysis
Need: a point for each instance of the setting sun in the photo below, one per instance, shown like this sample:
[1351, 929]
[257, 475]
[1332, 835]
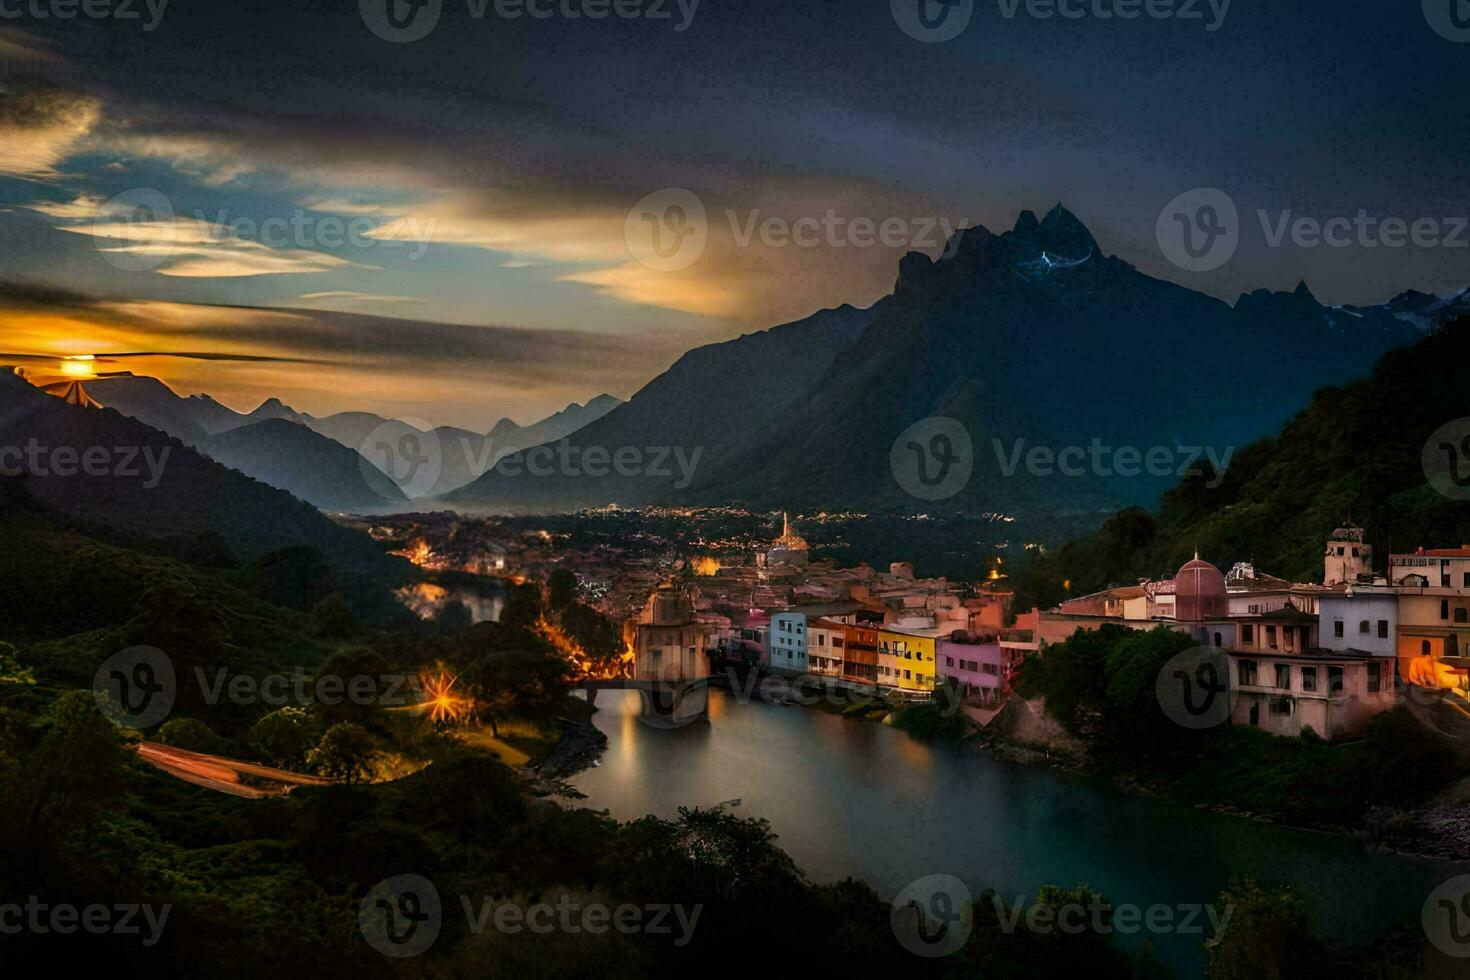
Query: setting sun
[78, 367]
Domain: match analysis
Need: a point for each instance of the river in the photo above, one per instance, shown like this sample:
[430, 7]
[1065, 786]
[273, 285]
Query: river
[855, 798]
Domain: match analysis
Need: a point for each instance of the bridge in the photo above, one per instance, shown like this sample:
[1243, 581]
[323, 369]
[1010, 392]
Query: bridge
[670, 703]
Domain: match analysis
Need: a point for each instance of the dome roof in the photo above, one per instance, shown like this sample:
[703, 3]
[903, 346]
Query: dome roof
[1199, 591]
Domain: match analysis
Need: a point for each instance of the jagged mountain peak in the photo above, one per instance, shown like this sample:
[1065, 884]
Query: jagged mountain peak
[1063, 233]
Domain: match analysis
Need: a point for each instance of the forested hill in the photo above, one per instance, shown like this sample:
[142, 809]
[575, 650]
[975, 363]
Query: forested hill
[1355, 455]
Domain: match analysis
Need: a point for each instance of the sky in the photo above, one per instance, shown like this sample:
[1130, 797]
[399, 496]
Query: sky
[294, 200]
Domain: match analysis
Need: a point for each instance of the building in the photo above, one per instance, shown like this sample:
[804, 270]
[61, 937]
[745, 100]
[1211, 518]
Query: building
[1349, 557]
[786, 645]
[1282, 680]
[860, 653]
[1359, 618]
[1433, 590]
[826, 647]
[909, 658]
[979, 666]
[669, 644]
[789, 549]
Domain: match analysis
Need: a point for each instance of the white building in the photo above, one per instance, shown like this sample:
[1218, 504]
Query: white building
[787, 643]
[1361, 618]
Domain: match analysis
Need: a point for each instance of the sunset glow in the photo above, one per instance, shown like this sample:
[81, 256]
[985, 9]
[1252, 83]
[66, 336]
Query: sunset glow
[78, 367]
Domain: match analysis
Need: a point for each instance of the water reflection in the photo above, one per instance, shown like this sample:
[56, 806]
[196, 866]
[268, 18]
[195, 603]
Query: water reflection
[850, 797]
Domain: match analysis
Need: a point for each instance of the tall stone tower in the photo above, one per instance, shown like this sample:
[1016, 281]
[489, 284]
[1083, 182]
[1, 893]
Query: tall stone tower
[1347, 557]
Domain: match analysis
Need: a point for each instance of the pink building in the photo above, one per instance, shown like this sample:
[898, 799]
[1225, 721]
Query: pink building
[982, 669]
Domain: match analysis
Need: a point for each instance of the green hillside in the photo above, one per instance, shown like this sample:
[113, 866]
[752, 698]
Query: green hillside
[1355, 455]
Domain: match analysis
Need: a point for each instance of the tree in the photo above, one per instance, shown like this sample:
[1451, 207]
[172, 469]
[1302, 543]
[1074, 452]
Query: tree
[561, 589]
[455, 617]
[522, 607]
[332, 617]
[11, 669]
[1267, 938]
[191, 734]
[596, 635]
[77, 765]
[346, 752]
[507, 683]
[283, 736]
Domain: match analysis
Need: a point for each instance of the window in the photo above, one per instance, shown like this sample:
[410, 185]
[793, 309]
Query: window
[1309, 678]
[906, 676]
[1337, 627]
[1247, 635]
[992, 669]
[1271, 637]
[837, 642]
[1375, 683]
[1363, 627]
[1355, 552]
[1217, 640]
[1334, 682]
[1467, 580]
[1281, 706]
[1339, 551]
[1247, 673]
[1460, 614]
[949, 661]
[1283, 677]
[1424, 648]
[1444, 609]
[1383, 629]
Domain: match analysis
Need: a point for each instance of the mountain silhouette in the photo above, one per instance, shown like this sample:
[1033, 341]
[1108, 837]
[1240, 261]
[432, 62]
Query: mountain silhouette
[1029, 338]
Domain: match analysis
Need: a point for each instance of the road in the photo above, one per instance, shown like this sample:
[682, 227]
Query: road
[223, 775]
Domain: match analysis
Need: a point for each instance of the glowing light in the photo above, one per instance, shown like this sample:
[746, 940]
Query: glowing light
[78, 367]
[443, 704]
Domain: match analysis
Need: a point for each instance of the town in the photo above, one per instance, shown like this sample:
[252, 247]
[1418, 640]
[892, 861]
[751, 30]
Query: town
[1323, 656]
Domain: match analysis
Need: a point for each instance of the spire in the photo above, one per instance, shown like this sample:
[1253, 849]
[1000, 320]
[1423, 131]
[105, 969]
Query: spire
[785, 525]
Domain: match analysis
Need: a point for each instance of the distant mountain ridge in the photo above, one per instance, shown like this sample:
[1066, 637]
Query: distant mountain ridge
[1031, 338]
[708, 401]
[338, 463]
[155, 488]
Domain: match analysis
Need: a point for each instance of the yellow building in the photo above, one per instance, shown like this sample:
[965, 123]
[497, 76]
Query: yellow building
[910, 658]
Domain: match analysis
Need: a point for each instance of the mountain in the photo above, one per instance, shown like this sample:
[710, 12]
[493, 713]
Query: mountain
[509, 435]
[153, 403]
[1355, 455]
[314, 469]
[146, 487]
[307, 464]
[1033, 339]
[459, 455]
[708, 402]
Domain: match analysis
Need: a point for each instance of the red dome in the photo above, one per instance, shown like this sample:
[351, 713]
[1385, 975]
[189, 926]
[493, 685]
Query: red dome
[1199, 592]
